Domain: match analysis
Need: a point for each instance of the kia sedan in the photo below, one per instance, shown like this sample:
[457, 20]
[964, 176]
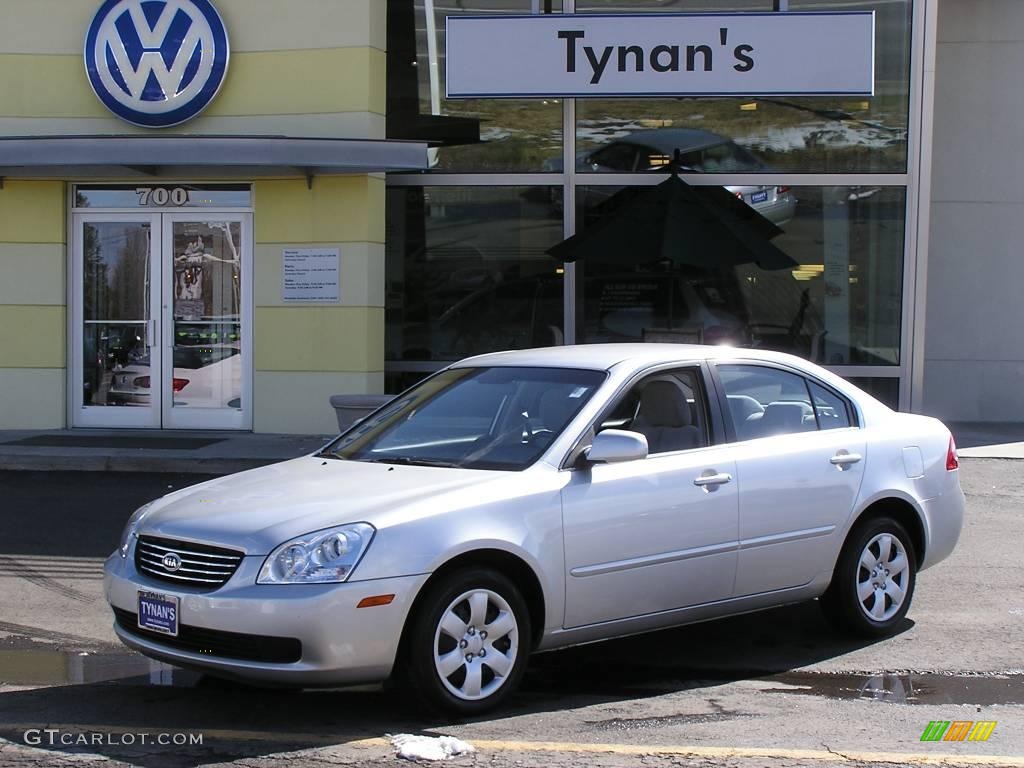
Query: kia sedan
[524, 501]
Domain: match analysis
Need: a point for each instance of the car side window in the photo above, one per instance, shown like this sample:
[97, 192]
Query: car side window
[832, 410]
[668, 408]
[618, 157]
[766, 401]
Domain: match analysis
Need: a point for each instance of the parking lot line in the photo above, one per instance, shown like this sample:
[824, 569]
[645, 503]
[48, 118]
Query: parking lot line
[633, 750]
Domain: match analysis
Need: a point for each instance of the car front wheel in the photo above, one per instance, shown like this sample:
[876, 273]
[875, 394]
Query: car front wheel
[873, 582]
[468, 643]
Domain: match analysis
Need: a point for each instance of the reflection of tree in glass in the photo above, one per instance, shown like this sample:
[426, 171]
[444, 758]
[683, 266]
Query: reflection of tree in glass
[193, 278]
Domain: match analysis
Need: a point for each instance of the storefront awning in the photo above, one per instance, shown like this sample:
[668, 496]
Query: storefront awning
[200, 157]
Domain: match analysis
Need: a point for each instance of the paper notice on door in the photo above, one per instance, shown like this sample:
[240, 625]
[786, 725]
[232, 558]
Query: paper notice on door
[311, 275]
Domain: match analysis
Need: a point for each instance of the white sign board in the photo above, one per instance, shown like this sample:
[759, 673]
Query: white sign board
[311, 275]
[658, 54]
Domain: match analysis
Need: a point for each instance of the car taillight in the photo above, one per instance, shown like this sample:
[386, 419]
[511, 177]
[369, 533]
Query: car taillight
[142, 382]
[952, 460]
[782, 190]
[178, 384]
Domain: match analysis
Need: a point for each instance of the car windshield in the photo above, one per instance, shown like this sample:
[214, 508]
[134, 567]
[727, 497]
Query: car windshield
[477, 418]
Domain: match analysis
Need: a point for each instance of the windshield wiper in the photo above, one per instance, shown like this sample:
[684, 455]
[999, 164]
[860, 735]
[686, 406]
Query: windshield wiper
[407, 460]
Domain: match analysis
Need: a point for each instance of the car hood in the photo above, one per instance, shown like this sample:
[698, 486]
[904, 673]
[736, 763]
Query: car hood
[258, 510]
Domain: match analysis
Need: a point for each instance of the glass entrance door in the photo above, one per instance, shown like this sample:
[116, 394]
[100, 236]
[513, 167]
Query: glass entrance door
[204, 338]
[116, 347]
[160, 322]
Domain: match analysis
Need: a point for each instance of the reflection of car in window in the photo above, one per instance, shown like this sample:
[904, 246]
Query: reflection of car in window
[207, 368]
[702, 152]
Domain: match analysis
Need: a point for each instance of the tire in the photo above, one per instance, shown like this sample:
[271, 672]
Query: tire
[870, 599]
[447, 629]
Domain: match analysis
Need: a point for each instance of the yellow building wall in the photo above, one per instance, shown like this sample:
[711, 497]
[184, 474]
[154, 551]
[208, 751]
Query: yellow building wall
[33, 347]
[308, 68]
[306, 353]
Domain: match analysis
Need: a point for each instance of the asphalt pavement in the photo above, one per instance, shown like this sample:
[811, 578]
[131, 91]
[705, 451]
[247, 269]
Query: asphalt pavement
[772, 688]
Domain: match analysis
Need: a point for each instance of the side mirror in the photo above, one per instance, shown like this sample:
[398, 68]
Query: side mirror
[613, 445]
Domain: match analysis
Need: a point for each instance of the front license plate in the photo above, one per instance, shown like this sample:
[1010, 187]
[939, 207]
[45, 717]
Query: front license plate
[158, 613]
[759, 197]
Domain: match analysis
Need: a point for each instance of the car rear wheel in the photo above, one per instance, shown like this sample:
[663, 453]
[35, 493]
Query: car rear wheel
[468, 643]
[873, 582]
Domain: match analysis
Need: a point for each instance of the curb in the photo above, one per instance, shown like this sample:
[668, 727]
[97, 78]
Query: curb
[155, 464]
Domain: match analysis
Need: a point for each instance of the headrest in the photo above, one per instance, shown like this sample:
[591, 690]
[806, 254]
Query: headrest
[555, 407]
[662, 405]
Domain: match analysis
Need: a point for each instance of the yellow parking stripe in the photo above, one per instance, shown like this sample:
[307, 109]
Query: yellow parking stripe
[637, 750]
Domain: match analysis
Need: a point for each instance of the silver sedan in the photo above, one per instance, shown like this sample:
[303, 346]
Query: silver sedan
[524, 501]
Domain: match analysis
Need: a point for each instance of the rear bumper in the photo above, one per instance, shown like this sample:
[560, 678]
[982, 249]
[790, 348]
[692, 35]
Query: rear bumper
[944, 519]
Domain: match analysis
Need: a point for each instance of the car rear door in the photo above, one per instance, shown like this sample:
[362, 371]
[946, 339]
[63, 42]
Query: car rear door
[653, 534]
[799, 464]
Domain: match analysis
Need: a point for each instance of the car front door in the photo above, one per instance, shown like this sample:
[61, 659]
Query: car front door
[658, 533]
[799, 462]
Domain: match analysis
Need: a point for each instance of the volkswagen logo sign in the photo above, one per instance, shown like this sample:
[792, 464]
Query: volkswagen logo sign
[172, 562]
[156, 63]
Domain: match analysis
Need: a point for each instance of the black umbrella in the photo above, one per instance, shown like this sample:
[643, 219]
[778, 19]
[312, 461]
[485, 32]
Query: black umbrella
[704, 227]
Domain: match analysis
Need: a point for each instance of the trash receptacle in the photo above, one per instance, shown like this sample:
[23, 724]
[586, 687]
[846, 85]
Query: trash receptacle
[350, 408]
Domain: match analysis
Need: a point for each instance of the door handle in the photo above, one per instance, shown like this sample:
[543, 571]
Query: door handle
[705, 481]
[844, 459]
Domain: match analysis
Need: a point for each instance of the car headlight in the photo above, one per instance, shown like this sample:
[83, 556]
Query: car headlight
[131, 529]
[320, 557]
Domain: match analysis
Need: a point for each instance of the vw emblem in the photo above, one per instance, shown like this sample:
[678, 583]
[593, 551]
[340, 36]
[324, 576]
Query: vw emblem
[156, 63]
[172, 562]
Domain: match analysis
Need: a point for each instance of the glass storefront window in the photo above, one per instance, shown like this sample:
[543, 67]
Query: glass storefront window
[884, 389]
[819, 134]
[474, 135]
[841, 304]
[467, 273]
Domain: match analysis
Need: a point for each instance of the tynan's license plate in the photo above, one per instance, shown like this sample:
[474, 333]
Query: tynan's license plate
[759, 197]
[158, 613]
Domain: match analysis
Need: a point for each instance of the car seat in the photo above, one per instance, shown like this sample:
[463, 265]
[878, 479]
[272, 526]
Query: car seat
[665, 418]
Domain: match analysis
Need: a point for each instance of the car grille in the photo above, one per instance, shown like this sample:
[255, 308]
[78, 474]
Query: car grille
[216, 643]
[201, 565]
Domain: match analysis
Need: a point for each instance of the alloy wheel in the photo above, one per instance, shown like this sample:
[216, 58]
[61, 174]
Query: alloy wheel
[476, 644]
[882, 577]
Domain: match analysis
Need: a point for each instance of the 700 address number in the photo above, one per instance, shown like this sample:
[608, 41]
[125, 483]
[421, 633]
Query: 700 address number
[162, 196]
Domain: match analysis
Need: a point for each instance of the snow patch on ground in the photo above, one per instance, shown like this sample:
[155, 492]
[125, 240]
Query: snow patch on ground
[413, 747]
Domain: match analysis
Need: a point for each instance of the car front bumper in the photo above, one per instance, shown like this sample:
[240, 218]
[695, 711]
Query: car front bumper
[340, 643]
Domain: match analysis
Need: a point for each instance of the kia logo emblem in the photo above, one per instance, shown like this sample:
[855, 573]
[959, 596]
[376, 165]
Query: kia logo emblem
[172, 561]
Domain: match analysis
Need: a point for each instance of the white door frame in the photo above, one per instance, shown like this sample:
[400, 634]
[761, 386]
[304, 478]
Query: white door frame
[138, 416]
[160, 412]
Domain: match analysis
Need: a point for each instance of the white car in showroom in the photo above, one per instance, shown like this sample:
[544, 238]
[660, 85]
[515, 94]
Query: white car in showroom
[523, 501]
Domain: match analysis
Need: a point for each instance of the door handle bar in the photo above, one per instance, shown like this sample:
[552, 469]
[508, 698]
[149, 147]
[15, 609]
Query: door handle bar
[706, 480]
[845, 459]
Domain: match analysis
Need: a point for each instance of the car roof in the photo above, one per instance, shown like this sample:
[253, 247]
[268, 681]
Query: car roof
[604, 357]
[670, 139]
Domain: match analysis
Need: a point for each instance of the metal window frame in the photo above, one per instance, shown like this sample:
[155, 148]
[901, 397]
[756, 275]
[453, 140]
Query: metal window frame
[916, 180]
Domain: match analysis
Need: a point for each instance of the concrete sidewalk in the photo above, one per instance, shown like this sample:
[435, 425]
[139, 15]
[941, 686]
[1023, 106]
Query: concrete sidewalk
[116, 450]
[120, 450]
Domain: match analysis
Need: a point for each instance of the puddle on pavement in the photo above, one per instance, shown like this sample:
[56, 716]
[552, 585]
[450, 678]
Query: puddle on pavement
[981, 690]
[46, 667]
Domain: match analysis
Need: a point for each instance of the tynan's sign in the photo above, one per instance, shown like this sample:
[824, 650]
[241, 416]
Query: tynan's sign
[656, 54]
[156, 63]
